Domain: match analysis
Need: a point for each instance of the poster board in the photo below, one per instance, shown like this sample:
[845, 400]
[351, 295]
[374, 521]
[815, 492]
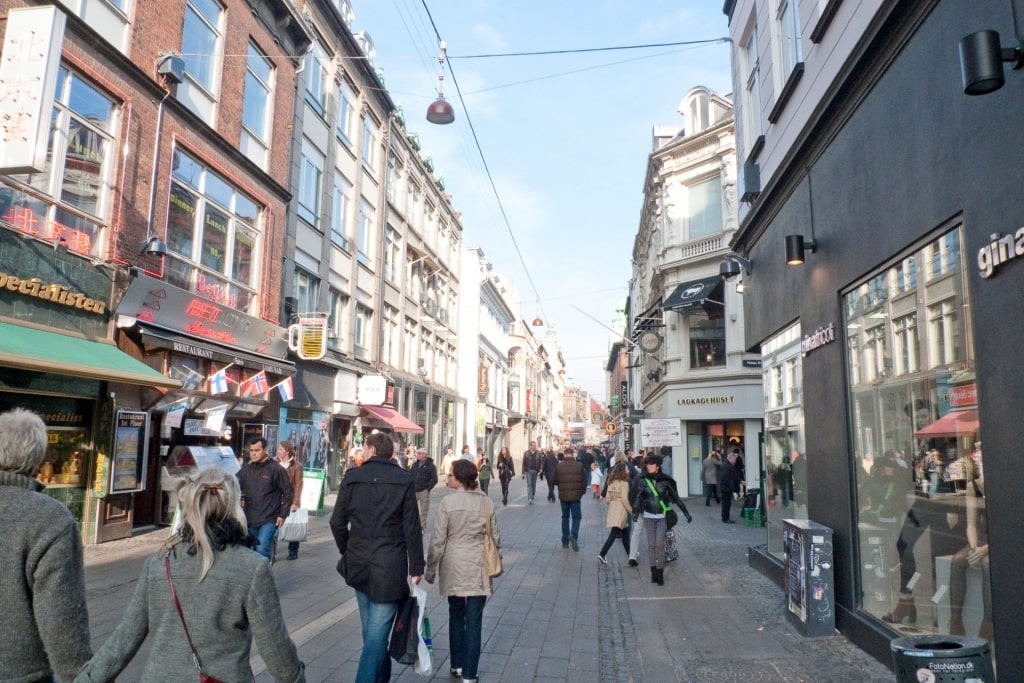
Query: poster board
[313, 481]
[130, 457]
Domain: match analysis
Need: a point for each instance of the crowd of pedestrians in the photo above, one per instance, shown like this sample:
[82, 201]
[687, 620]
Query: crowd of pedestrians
[207, 598]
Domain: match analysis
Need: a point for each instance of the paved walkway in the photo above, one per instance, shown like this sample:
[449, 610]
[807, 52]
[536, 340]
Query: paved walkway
[556, 615]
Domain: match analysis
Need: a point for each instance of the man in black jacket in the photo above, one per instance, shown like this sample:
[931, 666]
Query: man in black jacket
[548, 466]
[571, 479]
[729, 483]
[531, 468]
[266, 495]
[424, 479]
[376, 526]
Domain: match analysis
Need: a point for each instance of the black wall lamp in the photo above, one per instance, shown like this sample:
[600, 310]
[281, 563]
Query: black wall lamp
[796, 245]
[154, 246]
[981, 61]
[733, 265]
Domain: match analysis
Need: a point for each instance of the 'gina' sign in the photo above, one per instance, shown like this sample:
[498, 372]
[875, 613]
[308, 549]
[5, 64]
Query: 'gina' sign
[1000, 250]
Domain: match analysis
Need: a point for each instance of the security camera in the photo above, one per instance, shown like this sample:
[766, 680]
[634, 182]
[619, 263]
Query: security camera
[728, 269]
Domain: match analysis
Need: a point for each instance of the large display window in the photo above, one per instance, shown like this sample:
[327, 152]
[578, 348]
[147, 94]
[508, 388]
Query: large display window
[785, 459]
[916, 444]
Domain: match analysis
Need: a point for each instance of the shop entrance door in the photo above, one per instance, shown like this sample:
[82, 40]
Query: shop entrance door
[115, 514]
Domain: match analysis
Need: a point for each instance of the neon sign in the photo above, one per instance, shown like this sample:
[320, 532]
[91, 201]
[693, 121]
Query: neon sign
[24, 220]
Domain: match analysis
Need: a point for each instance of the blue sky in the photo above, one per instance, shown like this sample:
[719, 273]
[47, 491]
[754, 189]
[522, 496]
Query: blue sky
[566, 137]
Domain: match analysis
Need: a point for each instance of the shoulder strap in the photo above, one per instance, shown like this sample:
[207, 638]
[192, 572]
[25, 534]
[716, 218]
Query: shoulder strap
[654, 490]
[177, 606]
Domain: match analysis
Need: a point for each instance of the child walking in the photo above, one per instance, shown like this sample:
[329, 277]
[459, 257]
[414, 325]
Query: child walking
[596, 479]
[619, 510]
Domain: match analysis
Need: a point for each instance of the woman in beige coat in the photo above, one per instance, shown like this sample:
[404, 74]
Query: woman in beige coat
[619, 509]
[457, 554]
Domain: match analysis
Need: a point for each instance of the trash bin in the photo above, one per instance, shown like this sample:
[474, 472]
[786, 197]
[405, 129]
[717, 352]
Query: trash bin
[942, 659]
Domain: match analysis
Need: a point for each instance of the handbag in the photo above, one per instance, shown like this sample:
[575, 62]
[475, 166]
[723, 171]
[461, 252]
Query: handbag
[203, 678]
[492, 557]
[671, 518]
[404, 644]
[294, 527]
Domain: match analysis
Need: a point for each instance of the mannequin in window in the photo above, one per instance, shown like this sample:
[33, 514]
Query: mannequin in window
[974, 554]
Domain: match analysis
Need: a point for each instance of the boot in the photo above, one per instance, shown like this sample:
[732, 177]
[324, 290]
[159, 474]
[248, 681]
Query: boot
[654, 575]
[904, 608]
[659, 576]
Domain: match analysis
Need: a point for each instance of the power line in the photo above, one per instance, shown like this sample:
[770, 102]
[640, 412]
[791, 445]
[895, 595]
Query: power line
[590, 49]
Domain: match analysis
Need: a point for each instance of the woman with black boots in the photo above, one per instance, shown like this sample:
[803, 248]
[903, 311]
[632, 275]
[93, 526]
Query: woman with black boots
[654, 493]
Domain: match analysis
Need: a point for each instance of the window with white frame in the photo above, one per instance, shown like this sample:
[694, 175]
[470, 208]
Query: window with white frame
[213, 235]
[391, 255]
[338, 320]
[69, 200]
[943, 334]
[311, 172]
[790, 48]
[366, 215]
[109, 18]
[905, 345]
[943, 255]
[346, 112]
[307, 291]
[257, 107]
[362, 335]
[339, 211]
[750, 63]
[369, 143]
[409, 346]
[705, 208]
[389, 350]
[316, 78]
[202, 41]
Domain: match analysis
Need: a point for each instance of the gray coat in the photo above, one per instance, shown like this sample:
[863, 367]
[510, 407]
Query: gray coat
[457, 544]
[710, 468]
[45, 632]
[237, 603]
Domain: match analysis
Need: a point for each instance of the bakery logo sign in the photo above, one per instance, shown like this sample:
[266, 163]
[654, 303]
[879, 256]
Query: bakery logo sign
[821, 336]
[999, 250]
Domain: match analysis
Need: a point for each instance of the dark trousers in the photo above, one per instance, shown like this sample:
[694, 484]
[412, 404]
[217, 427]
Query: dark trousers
[504, 490]
[484, 483]
[551, 490]
[613, 533]
[726, 504]
[712, 492]
[465, 624]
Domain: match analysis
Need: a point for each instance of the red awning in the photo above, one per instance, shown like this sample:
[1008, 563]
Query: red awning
[398, 422]
[953, 423]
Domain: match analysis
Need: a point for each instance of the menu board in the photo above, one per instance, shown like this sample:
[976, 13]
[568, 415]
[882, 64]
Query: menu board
[128, 463]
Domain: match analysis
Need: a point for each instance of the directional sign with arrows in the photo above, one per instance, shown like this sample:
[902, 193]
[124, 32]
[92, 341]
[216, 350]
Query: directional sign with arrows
[661, 432]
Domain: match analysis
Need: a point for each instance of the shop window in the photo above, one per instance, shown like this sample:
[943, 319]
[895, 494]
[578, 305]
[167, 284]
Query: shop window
[69, 200]
[785, 486]
[922, 548]
[707, 336]
[213, 236]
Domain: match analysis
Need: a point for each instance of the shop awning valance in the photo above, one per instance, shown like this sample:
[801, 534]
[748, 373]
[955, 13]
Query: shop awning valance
[692, 293]
[27, 348]
[951, 424]
[398, 422]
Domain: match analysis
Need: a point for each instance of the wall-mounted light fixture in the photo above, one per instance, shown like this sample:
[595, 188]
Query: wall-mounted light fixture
[440, 111]
[654, 375]
[154, 246]
[733, 265]
[796, 245]
[981, 61]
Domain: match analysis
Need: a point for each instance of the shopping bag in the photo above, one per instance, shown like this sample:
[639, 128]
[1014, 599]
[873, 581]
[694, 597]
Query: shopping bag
[294, 527]
[423, 665]
[403, 646]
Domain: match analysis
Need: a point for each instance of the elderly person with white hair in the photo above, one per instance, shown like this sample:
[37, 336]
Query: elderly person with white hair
[42, 581]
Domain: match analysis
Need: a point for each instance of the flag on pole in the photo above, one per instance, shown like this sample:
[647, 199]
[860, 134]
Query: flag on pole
[215, 419]
[286, 389]
[219, 382]
[256, 385]
[188, 377]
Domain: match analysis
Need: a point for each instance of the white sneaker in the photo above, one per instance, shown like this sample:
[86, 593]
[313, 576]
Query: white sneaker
[603, 561]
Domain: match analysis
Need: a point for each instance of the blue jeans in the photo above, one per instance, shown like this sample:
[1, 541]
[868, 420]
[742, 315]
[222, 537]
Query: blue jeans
[531, 485]
[265, 534]
[376, 618]
[570, 508]
[465, 622]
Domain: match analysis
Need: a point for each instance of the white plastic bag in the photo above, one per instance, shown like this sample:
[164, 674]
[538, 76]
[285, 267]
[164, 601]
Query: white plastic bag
[294, 527]
[423, 665]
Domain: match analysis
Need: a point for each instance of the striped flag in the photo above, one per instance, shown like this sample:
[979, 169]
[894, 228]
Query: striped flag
[286, 389]
[219, 382]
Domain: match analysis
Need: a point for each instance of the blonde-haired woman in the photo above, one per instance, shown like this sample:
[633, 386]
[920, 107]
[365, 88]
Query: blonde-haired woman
[226, 591]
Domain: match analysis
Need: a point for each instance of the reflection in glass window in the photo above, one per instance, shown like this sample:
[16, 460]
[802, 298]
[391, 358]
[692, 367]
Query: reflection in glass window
[706, 208]
[917, 451]
[213, 235]
[200, 39]
[256, 106]
[785, 456]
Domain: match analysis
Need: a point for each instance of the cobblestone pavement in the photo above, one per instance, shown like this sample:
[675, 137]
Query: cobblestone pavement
[556, 615]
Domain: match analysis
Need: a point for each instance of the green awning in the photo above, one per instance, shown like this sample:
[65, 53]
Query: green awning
[27, 348]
